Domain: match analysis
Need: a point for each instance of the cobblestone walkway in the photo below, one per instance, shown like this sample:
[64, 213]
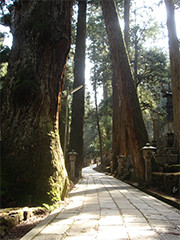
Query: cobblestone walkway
[102, 207]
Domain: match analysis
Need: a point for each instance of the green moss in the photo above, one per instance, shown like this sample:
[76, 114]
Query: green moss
[51, 207]
[33, 171]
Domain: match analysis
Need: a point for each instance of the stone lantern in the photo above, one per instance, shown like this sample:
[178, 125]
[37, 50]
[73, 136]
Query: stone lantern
[72, 159]
[147, 155]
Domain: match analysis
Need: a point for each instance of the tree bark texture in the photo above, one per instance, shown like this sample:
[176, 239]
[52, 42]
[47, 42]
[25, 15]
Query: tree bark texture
[126, 22]
[119, 126]
[98, 124]
[33, 169]
[120, 138]
[175, 69]
[77, 124]
[119, 143]
[116, 133]
[137, 134]
[136, 59]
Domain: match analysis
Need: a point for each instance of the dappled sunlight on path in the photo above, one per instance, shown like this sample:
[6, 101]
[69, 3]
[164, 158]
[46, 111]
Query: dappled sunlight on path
[102, 207]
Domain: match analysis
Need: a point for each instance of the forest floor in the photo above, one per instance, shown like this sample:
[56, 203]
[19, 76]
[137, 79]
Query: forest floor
[23, 227]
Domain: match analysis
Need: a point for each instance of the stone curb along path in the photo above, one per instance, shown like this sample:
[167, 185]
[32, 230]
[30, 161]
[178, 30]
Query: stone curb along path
[102, 207]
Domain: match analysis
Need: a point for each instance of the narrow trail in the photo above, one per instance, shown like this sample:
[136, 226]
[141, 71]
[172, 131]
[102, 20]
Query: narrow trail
[102, 207]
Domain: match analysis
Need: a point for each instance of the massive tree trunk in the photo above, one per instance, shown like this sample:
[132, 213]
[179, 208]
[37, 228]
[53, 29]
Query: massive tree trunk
[120, 138]
[119, 143]
[77, 124]
[175, 69]
[33, 169]
[137, 134]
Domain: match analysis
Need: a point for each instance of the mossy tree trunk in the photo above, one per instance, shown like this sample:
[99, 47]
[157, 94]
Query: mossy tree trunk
[136, 131]
[77, 125]
[33, 169]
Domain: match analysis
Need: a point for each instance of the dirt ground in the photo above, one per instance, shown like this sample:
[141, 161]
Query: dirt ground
[24, 227]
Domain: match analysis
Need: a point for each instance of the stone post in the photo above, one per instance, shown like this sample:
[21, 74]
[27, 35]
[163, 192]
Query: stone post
[72, 159]
[120, 164]
[111, 162]
[111, 166]
[147, 155]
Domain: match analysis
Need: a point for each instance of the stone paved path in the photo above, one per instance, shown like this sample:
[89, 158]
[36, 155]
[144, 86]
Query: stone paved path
[102, 207]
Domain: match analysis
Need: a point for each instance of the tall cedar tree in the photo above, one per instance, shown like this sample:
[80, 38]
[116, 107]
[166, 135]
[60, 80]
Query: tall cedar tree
[136, 130]
[97, 120]
[175, 69]
[119, 142]
[33, 169]
[77, 125]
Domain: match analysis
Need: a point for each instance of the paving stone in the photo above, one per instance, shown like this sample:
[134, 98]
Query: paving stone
[80, 238]
[55, 228]
[111, 221]
[142, 234]
[157, 217]
[170, 236]
[86, 216]
[145, 238]
[137, 226]
[130, 212]
[48, 237]
[134, 219]
[126, 206]
[112, 232]
[167, 229]
[158, 222]
[67, 216]
[83, 228]
[61, 221]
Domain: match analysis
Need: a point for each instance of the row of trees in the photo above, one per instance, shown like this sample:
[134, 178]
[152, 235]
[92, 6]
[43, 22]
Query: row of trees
[150, 69]
[151, 77]
[31, 94]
